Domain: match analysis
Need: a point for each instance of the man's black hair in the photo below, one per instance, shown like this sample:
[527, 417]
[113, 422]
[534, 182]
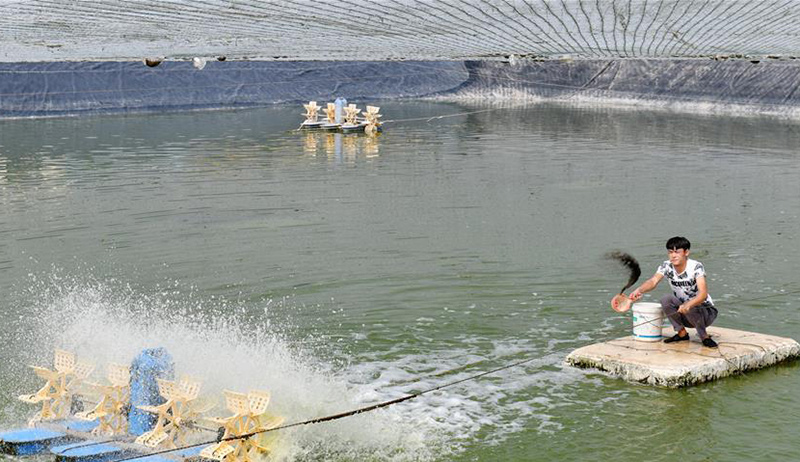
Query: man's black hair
[678, 242]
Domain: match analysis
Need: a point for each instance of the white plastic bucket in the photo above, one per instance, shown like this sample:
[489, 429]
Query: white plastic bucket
[647, 321]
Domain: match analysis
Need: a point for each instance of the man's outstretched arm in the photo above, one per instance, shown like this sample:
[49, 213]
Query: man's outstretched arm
[647, 286]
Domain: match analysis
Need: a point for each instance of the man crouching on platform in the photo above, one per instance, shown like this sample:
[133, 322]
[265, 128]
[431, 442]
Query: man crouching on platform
[689, 305]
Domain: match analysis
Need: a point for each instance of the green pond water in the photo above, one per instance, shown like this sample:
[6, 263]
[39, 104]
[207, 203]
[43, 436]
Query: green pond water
[340, 271]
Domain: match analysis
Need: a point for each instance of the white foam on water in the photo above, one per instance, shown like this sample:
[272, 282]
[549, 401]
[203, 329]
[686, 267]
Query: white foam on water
[498, 405]
[217, 343]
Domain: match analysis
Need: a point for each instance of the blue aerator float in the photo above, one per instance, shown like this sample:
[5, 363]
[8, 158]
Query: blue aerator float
[141, 409]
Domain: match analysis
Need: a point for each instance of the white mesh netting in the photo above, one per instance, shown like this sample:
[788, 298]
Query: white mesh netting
[53, 30]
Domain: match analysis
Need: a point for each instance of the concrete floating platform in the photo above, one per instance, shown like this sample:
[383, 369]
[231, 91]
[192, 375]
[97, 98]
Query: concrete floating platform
[683, 364]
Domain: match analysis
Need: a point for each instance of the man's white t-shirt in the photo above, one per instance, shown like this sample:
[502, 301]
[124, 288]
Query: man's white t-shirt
[684, 285]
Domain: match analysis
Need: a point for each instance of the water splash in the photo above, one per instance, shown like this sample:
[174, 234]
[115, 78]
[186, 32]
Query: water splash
[226, 345]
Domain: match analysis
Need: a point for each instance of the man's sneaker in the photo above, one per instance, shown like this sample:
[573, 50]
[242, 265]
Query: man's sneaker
[707, 342]
[677, 338]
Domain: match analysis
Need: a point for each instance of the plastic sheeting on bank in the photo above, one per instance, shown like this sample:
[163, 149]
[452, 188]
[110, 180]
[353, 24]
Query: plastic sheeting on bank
[73, 88]
[771, 84]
